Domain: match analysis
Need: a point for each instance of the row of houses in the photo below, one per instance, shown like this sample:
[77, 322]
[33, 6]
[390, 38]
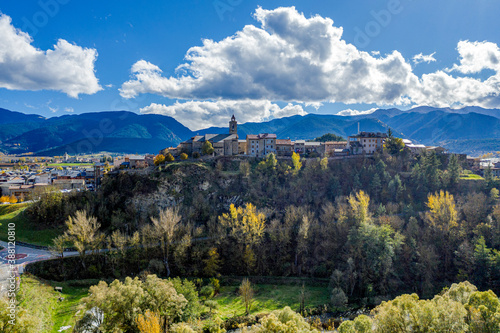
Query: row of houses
[261, 145]
[24, 183]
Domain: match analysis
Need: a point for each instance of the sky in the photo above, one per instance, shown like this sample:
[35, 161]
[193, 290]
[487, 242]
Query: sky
[202, 61]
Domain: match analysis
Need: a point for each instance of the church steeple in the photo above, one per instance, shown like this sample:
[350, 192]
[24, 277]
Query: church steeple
[233, 125]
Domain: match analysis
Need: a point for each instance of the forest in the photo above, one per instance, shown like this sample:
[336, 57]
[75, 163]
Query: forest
[372, 229]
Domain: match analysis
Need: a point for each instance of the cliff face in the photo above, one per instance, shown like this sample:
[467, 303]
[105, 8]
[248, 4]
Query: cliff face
[194, 185]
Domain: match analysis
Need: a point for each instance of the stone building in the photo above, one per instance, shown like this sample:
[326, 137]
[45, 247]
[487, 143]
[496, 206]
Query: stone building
[366, 142]
[224, 144]
[261, 145]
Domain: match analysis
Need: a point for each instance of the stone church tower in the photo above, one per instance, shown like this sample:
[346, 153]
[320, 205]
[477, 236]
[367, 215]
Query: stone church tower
[233, 126]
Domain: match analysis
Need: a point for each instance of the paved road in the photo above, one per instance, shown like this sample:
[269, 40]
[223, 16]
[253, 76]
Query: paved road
[24, 256]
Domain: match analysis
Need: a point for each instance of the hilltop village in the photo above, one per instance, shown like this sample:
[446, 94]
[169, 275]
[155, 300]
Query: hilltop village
[23, 177]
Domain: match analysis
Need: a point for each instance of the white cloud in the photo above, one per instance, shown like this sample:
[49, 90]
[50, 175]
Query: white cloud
[351, 112]
[202, 114]
[291, 58]
[68, 68]
[69, 109]
[288, 58]
[476, 56]
[419, 58]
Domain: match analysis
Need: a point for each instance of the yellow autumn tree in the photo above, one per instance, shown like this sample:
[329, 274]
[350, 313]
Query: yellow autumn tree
[360, 203]
[247, 226]
[148, 323]
[442, 217]
[159, 159]
[443, 214]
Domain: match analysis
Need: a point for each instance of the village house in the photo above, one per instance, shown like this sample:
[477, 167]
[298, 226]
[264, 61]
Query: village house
[366, 142]
[414, 148]
[284, 147]
[332, 148]
[261, 145]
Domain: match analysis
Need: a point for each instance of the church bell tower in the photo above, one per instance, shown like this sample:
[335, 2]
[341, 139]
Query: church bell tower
[233, 126]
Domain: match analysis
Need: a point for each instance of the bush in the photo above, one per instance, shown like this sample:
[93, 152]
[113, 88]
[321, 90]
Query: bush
[338, 299]
[207, 291]
[196, 155]
[184, 156]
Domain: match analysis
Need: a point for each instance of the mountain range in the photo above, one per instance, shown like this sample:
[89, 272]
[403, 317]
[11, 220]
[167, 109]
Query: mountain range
[470, 130]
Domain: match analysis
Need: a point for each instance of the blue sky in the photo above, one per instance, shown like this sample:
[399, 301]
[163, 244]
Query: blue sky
[111, 37]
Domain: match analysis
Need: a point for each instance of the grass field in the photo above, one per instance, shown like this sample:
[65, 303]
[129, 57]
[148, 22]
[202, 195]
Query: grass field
[268, 298]
[471, 176]
[25, 231]
[62, 313]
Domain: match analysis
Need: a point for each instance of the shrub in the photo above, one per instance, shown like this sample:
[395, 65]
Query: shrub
[196, 155]
[184, 156]
[207, 291]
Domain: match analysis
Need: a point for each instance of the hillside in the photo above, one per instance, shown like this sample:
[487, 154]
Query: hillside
[92, 132]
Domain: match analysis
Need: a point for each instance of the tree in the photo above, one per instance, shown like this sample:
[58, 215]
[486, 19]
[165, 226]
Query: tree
[212, 263]
[271, 161]
[329, 137]
[148, 323]
[123, 302]
[58, 246]
[442, 218]
[83, 232]
[443, 213]
[184, 156]
[324, 163]
[245, 168]
[297, 164]
[169, 158]
[359, 205]
[247, 226]
[246, 293]
[285, 320]
[454, 170]
[207, 148]
[165, 228]
[159, 159]
[393, 145]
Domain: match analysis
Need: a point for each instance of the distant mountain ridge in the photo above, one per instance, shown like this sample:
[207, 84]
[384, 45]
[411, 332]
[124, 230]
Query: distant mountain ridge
[114, 131]
[472, 130]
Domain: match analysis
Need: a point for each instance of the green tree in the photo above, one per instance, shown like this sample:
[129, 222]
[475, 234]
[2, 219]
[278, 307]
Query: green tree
[184, 156]
[123, 302]
[246, 293]
[207, 148]
[279, 321]
[393, 145]
[454, 170]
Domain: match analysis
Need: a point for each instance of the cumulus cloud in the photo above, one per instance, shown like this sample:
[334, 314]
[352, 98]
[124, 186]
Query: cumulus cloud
[68, 68]
[350, 112]
[288, 57]
[477, 56]
[419, 58]
[201, 114]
